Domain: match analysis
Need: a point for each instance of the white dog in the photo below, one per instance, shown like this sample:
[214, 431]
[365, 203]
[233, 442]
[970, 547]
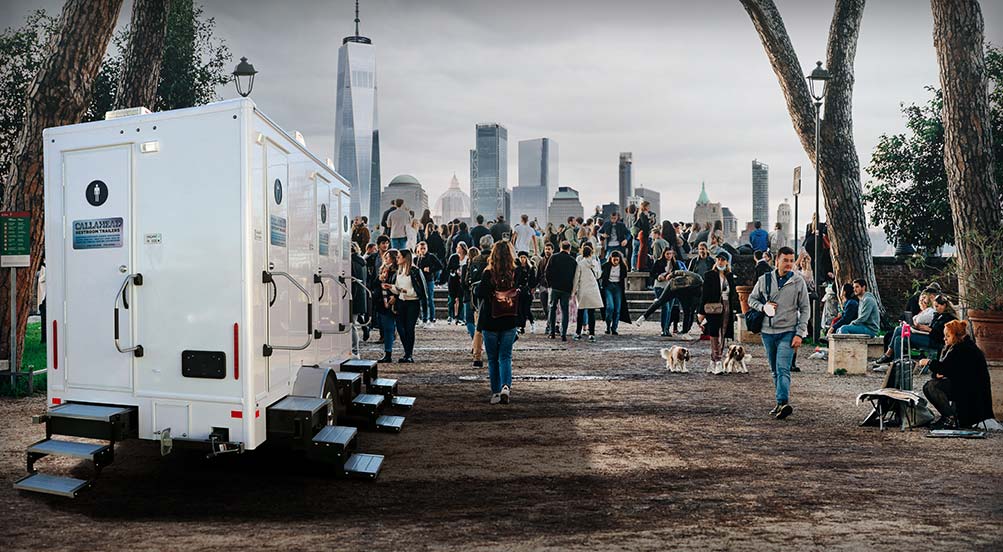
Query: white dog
[676, 358]
[736, 360]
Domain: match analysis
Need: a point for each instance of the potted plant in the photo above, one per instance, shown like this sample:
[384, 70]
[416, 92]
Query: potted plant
[983, 288]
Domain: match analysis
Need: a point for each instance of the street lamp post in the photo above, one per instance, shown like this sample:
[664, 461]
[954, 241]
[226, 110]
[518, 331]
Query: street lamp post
[243, 77]
[817, 81]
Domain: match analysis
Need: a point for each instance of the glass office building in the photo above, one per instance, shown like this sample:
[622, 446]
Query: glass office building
[489, 171]
[356, 128]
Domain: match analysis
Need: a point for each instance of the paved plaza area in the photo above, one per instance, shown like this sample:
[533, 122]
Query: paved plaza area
[600, 449]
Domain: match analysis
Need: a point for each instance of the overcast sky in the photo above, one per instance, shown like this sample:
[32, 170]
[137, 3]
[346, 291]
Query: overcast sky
[685, 86]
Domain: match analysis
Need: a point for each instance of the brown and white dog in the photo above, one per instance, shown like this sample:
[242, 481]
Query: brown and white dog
[736, 360]
[676, 358]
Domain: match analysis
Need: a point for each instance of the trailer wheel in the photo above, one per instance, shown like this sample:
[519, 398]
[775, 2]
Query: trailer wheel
[330, 391]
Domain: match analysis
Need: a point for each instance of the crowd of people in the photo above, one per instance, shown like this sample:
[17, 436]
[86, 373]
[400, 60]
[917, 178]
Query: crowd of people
[493, 273]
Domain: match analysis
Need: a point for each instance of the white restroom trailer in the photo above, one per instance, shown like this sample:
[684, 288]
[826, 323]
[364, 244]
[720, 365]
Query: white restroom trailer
[198, 279]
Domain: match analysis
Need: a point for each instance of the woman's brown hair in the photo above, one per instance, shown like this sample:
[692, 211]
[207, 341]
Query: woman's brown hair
[501, 263]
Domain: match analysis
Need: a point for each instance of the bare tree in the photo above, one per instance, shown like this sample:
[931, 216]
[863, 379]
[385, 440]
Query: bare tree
[140, 76]
[839, 169]
[968, 146]
[58, 95]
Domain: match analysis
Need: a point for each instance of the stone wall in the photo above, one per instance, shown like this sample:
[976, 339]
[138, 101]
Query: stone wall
[897, 281]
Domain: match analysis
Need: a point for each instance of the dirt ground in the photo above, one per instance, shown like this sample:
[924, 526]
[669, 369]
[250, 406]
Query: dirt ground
[635, 459]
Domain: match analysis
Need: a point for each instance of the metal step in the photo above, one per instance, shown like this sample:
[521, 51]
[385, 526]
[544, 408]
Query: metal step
[336, 437]
[390, 423]
[300, 404]
[368, 368]
[55, 484]
[364, 465]
[402, 402]
[383, 386]
[93, 421]
[367, 404]
[91, 412]
[95, 452]
[351, 382]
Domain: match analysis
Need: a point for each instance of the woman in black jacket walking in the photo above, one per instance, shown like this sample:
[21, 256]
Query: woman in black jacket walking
[408, 288]
[718, 305]
[498, 317]
[613, 282]
[451, 277]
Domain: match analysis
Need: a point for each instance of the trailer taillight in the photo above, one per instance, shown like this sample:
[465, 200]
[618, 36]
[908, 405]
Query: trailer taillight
[55, 347]
[236, 351]
[57, 400]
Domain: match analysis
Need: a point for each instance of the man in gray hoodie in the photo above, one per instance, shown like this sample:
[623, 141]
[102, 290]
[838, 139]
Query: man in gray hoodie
[868, 313]
[787, 310]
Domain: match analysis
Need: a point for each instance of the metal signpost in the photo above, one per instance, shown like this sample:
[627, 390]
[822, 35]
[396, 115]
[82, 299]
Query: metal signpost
[15, 252]
[797, 192]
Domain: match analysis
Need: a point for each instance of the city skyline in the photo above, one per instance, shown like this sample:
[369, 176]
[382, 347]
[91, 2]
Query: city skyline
[690, 91]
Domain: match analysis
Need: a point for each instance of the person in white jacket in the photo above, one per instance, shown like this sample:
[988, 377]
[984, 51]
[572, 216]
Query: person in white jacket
[585, 289]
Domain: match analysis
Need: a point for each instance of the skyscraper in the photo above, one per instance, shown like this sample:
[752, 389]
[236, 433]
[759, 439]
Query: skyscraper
[761, 193]
[565, 204]
[537, 179]
[356, 130]
[652, 197]
[490, 174]
[626, 178]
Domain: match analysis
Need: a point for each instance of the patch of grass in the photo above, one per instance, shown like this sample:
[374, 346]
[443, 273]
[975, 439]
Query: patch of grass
[34, 357]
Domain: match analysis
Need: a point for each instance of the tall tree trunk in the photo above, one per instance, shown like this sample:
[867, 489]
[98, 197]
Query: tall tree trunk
[140, 76]
[968, 146]
[59, 95]
[839, 168]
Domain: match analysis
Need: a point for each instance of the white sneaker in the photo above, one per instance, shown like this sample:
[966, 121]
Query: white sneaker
[639, 321]
[495, 398]
[505, 392]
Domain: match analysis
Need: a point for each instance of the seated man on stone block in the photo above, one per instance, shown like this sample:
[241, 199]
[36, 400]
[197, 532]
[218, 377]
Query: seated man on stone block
[868, 312]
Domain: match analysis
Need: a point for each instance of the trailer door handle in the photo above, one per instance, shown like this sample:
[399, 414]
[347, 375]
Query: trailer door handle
[269, 278]
[136, 280]
[318, 280]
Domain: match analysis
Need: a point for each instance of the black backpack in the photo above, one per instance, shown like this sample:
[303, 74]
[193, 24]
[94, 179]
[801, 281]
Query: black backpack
[754, 318]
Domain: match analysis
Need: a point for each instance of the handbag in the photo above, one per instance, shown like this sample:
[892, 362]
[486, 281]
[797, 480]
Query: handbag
[713, 308]
[505, 303]
[754, 318]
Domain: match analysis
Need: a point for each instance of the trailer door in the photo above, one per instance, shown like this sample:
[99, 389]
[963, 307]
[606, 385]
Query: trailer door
[277, 221]
[326, 250]
[344, 256]
[97, 259]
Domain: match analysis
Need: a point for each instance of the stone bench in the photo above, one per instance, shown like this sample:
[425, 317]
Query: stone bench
[875, 348]
[849, 352]
[742, 334]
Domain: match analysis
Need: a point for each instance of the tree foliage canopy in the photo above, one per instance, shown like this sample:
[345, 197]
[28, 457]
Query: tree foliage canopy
[907, 194]
[194, 64]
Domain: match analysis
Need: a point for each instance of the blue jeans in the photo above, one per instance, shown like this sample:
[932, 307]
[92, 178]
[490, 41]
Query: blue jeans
[780, 353]
[614, 302]
[499, 348]
[428, 308]
[398, 243]
[666, 309]
[388, 325]
[633, 253]
[855, 330]
[917, 340]
[559, 297]
[468, 317]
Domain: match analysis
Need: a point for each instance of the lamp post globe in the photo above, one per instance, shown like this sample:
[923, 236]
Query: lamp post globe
[817, 81]
[243, 77]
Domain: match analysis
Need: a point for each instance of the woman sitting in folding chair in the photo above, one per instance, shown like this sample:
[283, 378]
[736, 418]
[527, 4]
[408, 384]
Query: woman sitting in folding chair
[960, 387]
